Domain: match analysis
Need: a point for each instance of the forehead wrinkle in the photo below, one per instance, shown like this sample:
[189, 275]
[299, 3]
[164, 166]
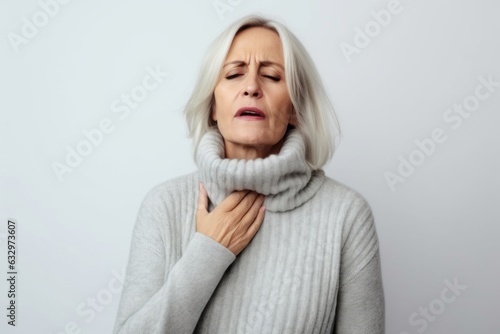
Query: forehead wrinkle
[263, 63]
[247, 48]
[252, 54]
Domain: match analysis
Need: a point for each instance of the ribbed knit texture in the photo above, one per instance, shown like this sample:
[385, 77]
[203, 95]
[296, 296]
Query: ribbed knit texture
[313, 267]
[286, 179]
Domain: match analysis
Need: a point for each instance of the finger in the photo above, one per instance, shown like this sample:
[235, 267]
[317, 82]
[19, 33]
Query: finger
[246, 204]
[233, 200]
[252, 212]
[255, 226]
[202, 201]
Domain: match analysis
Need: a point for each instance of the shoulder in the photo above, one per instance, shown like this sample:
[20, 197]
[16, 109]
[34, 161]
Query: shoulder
[170, 190]
[339, 193]
[350, 209]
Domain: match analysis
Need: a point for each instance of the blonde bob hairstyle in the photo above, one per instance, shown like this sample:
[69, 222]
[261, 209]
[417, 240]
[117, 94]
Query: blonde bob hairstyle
[316, 119]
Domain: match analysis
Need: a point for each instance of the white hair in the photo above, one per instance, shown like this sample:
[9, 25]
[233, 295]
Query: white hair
[316, 119]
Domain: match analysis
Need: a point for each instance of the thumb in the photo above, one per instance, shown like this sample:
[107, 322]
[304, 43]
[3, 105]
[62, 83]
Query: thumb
[202, 201]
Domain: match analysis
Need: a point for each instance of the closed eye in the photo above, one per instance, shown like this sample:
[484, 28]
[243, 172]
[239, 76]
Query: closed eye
[232, 76]
[272, 77]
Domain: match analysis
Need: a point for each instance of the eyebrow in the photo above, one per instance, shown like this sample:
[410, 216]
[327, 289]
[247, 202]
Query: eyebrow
[265, 63]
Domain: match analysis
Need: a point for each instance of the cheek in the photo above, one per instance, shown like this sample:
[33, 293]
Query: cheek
[221, 101]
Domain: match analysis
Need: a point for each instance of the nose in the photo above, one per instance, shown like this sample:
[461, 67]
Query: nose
[252, 86]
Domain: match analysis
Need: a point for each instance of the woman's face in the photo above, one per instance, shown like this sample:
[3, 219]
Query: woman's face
[252, 105]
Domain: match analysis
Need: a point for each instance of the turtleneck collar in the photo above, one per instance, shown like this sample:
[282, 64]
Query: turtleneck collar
[285, 178]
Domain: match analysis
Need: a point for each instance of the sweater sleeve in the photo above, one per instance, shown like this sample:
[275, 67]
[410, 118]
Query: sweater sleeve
[360, 301]
[161, 294]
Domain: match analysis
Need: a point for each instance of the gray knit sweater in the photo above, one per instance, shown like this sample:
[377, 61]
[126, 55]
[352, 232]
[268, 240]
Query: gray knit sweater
[313, 267]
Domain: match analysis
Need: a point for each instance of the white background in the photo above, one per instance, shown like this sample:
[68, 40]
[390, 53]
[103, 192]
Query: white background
[441, 223]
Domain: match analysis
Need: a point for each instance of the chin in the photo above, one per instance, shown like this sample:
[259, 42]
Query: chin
[252, 136]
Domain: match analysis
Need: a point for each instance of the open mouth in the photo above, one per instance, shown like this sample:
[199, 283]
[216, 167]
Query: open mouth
[250, 112]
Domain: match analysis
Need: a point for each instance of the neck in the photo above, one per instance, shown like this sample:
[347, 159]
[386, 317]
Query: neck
[250, 152]
[286, 179]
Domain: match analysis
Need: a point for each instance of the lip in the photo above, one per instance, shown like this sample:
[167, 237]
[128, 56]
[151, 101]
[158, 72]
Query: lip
[260, 113]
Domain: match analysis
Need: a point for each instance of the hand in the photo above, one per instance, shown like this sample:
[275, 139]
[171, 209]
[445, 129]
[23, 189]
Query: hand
[234, 222]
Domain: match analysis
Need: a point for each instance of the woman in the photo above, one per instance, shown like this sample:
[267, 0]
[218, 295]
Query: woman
[258, 240]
